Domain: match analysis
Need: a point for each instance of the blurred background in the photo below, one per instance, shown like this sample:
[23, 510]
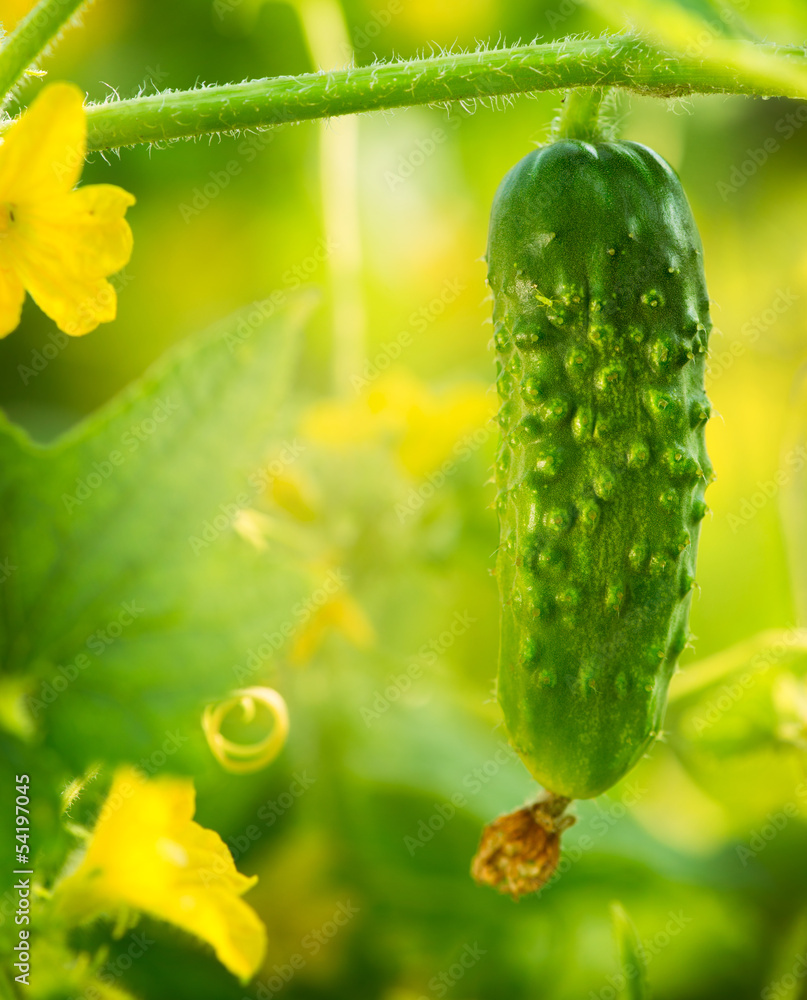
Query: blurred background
[395, 757]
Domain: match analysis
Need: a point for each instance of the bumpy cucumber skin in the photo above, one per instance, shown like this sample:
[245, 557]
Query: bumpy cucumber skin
[601, 322]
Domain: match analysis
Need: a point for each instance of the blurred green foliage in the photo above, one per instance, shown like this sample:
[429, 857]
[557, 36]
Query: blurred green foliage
[395, 757]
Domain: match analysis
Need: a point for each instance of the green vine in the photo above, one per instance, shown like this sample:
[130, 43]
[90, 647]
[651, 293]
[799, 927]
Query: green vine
[625, 61]
[735, 67]
[31, 37]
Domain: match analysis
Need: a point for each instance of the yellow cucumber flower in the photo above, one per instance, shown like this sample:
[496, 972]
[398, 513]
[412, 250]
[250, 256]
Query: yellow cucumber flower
[146, 854]
[424, 426]
[341, 613]
[57, 241]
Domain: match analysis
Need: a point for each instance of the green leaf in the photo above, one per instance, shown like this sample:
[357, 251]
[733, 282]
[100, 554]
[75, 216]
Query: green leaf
[129, 595]
[738, 722]
[789, 962]
[773, 647]
[709, 32]
[700, 21]
[631, 955]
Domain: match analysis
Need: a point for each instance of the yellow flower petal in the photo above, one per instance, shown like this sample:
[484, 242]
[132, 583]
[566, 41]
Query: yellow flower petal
[92, 219]
[447, 427]
[63, 250]
[225, 921]
[424, 427]
[43, 152]
[60, 244]
[76, 303]
[12, 295]
[147, 854]
[342, 614]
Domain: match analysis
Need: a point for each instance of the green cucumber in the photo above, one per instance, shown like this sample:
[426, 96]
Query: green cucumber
[601, 322]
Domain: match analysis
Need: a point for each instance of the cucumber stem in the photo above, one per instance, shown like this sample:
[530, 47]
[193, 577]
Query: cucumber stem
[30, 38]
[580, 116]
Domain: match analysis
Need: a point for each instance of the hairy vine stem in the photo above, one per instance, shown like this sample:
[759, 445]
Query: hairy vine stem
[30, 38]
[735, 66]
[618, 61]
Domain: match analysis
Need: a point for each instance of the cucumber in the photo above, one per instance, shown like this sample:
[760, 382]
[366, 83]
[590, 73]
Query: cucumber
[601, 322]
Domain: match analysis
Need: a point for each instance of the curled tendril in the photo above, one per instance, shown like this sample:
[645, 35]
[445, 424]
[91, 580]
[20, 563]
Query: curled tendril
[244, 758]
